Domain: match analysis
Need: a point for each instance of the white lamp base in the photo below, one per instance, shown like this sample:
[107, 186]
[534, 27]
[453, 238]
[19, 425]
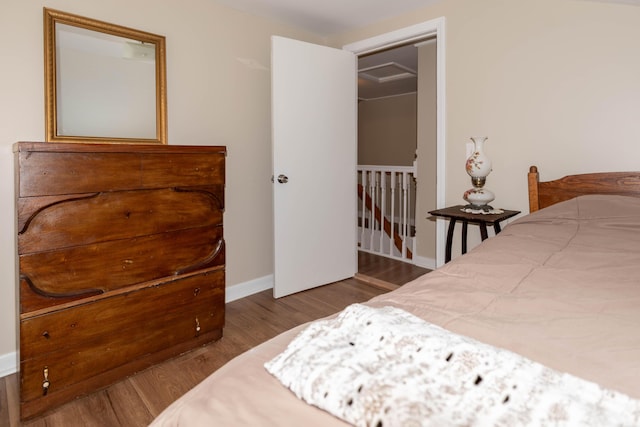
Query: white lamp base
[479, 198]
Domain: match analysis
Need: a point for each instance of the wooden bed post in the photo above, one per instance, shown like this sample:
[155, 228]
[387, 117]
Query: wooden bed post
[534, 179]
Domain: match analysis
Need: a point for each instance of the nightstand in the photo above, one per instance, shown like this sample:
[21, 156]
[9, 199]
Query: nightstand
[455, 213]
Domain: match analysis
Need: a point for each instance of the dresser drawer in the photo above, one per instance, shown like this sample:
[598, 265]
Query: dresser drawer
[91, 171]
[84, 341]
[108, 266]
[46, 224]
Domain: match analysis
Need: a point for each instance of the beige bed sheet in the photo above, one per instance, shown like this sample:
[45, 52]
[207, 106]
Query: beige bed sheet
[560, 286]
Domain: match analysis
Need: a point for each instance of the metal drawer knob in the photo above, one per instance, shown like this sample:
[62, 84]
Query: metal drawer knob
[45, 383]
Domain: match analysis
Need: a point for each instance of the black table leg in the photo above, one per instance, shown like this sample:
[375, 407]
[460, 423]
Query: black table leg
[483, 230]
[496, 227]
[447, 253]
[464, 236]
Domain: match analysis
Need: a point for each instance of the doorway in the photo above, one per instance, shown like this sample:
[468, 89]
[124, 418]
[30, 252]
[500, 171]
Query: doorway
[387, 142]
[430, 249]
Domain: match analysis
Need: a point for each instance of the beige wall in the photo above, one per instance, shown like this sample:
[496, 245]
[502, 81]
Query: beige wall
[213, 98]
[550, 82]
[426, 162]
[387, 131]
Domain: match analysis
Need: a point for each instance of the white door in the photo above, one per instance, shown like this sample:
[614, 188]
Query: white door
[314, 164]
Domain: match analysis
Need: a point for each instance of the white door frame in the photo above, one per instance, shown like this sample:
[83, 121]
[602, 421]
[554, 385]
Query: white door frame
[434, 27]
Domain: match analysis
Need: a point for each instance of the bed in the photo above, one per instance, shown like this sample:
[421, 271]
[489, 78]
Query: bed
[556, 291]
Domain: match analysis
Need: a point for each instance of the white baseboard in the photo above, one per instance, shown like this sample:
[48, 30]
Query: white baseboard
[424, 262]
[8, 364]
[251, 287]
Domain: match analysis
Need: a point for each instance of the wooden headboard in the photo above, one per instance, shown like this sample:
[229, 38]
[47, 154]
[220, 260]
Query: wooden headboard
[543, 194]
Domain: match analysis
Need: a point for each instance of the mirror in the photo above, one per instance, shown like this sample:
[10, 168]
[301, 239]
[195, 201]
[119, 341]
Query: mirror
[103, 82]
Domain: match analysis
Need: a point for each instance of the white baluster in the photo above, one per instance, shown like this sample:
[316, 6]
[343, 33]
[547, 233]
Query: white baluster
[412, 210]
[405, 215]
[363, 217]
[372, 217]
[383, 204]
[393, 211]
[390, 191]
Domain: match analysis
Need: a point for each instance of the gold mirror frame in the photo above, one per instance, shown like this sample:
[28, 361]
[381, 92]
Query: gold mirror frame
[53, 17]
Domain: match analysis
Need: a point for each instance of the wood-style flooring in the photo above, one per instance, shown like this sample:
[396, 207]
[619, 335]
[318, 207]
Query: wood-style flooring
[137, 400]
[384, 272]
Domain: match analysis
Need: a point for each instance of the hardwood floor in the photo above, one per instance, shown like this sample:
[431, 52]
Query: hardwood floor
[137, 400]
[386, 272]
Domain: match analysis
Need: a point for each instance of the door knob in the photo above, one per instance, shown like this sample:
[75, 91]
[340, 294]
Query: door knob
[283, 179]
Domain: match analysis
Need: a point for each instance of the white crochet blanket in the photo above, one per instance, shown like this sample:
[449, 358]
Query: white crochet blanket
[385, 367]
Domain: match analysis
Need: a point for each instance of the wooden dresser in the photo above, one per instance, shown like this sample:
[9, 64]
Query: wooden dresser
[121, 262]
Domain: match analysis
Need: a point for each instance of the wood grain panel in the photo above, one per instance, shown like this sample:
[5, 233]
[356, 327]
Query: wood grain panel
[615, 183]
[114, 264]
[543, 194]
[28, 206]
[31, 301]
[101, 217]
[76, 344]
[182, 170]
[86, 172]
[49, 174]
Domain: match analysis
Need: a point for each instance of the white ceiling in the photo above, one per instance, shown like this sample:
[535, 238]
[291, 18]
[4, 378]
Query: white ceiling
[388, 73]
[328, 17]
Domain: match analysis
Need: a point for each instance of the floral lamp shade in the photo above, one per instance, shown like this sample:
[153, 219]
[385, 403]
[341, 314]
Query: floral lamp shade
[478, 167]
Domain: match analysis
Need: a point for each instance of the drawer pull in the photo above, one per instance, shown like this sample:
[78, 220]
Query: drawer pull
[197, 327]
[45, 382]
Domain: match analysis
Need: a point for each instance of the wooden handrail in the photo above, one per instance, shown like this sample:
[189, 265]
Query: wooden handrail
[397, 239]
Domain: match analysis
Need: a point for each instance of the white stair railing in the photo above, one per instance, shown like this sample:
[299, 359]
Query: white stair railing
[386, 210]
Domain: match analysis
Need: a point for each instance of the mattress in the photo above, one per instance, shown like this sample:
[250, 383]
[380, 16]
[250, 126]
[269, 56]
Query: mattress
[560, 287]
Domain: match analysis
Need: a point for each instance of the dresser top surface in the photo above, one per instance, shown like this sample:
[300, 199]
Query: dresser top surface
[56, 147]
